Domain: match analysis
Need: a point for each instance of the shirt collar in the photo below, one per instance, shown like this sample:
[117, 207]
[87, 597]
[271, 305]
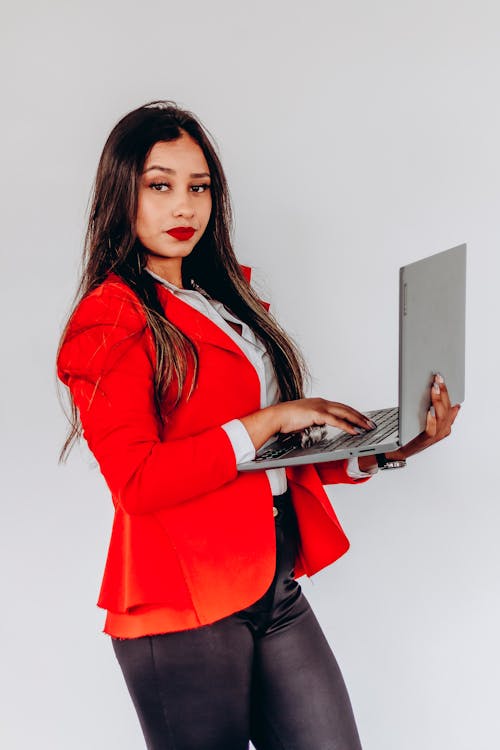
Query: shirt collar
[166, 283]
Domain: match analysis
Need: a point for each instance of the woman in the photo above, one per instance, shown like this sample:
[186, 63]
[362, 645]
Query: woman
[178, 372]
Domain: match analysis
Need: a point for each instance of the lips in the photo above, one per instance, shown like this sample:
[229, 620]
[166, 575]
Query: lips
[181, 233]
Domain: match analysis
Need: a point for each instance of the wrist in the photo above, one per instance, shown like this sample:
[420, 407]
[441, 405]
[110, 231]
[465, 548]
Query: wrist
[262, 424]
[367, 463]
[274, 418]
[398, 455]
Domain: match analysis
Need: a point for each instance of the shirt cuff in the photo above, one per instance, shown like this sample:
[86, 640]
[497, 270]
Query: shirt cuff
[244, 449]
[355, 472]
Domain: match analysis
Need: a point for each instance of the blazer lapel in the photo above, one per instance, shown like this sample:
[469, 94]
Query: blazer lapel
[193, 323]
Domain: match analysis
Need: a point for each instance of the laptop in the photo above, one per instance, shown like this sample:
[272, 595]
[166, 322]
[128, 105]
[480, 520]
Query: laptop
[431, 340]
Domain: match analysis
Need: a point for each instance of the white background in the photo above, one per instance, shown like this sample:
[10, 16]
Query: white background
[356, 137]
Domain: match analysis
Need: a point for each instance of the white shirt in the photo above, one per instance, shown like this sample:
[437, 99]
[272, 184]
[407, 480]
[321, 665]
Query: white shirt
[257, 354]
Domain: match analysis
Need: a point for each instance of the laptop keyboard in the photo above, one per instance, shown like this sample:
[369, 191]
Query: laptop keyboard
[280, 448]
[385, 419]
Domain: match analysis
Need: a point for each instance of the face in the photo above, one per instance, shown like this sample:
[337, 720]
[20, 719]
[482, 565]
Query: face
[174, 204]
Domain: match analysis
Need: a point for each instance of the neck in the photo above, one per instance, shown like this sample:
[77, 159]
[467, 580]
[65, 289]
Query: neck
[169, 269]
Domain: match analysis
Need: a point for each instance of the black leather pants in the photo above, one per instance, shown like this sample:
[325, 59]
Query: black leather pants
[266, 673]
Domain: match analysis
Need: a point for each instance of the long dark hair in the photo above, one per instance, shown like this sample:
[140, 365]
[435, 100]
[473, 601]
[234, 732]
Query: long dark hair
[111, 246]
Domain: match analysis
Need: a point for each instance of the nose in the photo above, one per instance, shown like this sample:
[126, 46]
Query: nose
[183, 206]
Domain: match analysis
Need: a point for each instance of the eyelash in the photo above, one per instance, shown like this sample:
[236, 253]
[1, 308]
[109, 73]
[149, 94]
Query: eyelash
[155, 185]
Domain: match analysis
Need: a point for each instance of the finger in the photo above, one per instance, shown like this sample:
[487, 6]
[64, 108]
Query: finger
[350, 415]
[453, 413]
[445, 397]
[437, 400]
[445, 414]
[431, 423]
[344, 424]
[444, 425]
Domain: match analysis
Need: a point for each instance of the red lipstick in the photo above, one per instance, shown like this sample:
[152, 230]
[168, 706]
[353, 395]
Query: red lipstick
[181, 233]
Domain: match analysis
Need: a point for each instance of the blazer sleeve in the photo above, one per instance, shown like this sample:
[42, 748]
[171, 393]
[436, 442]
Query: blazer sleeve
[107, 362]
[335, 472]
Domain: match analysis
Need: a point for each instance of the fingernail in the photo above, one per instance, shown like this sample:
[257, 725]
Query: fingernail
[372, 424]
[439, 378]
[432, 411]
[436, 387]
[359, 431]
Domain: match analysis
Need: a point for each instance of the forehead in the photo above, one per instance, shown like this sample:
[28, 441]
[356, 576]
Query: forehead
[182, 154]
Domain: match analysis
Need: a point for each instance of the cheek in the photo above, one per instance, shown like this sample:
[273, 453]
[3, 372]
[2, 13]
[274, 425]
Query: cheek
[208, 210]
[144, 218]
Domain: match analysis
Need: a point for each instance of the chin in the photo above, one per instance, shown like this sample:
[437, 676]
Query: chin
[159, 253]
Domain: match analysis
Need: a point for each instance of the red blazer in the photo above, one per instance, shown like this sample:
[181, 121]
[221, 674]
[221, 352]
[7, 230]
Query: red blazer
[189, 532]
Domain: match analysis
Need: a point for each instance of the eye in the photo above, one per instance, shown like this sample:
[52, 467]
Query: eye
[200, 188]
[159, 187]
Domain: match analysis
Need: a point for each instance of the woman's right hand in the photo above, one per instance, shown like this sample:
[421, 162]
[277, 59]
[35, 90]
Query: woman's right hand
[293, 416]
[306, 412]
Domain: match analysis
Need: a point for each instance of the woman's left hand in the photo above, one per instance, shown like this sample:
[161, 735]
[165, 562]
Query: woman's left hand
[440, 418]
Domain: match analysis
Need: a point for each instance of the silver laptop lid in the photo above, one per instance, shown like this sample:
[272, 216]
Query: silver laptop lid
[432, 334]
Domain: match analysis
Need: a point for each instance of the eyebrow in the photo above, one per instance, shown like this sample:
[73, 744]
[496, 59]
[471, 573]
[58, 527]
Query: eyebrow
[172, 171]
